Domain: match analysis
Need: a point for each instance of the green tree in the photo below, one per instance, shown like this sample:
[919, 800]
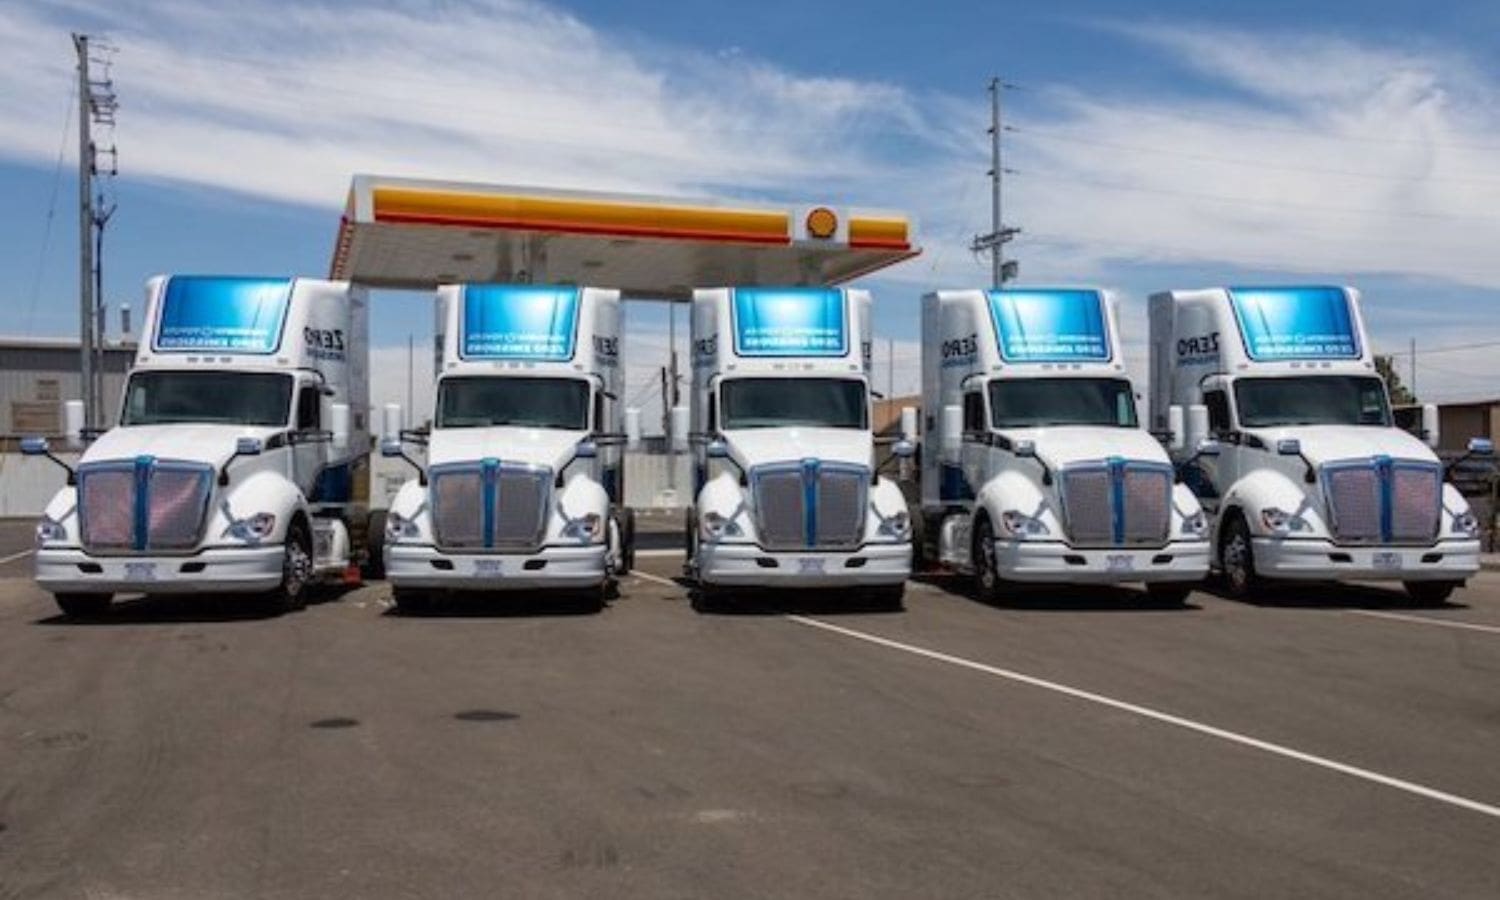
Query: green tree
[1385, 367]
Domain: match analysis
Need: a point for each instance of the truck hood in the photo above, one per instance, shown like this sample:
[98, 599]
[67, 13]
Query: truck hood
[1063, 445]
[1331, 443]
[757, 446]
[536, 446]
[211, 444]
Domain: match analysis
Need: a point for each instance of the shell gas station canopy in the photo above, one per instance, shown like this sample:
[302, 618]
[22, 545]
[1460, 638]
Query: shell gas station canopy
[413, 234]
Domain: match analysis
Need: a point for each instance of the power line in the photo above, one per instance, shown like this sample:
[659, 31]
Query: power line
[41, 261]
[1453, 348]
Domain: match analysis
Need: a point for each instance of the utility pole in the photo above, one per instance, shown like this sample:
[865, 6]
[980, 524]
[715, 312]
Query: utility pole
[96, 106]
[411, 364]
[1413, 389]
[999, 235]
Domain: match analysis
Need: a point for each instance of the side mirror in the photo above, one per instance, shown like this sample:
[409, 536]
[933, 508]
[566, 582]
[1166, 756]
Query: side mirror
[633, 429]
[903, 449]
[390, 448]
[390, 421]
[73, 423]
[586, 450]
[1289, 447]
[1431, 427]
[338, 420]
[1177, 437]
[908, 423]
[1025, 449]
[35, 446]
[1208, 447]
[248, 446]
[952, 433]
[716, 450]
[1195, 425]
[1479, 446]
[679, 429]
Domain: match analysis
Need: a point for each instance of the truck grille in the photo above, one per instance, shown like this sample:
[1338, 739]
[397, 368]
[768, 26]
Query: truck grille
[490, 505]
[810, 505]
[1384, 501]
[143, 505]
[1115, 503]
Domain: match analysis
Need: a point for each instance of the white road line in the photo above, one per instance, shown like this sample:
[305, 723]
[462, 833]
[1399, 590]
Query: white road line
[656, 578]
[659, 552]
[15, 556]
[1168, 718]
[1468, 626]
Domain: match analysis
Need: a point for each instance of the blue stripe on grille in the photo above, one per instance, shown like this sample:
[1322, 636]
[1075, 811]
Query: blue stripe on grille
[1117, 498]
[489, 494]
[1383, 472]
[810, 501]
[142, 518]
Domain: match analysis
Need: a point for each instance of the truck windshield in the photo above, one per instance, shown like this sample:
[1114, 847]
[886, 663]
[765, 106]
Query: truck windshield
[1042, 402]
[209, 397]
[483, 401]
[1312, 400]
[783, 402]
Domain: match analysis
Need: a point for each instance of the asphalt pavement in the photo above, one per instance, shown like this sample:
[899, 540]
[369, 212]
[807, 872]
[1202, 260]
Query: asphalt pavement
[1324, 742]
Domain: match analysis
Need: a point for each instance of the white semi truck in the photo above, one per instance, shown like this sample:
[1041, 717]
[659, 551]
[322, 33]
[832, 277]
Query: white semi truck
[787, 493]
[1034, 465]
[1284, 430]
[238, 462]
[523, 484]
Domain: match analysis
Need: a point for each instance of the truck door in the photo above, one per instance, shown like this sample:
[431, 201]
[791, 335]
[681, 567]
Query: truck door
[976, 445]
[309, 445]
[1219, 472]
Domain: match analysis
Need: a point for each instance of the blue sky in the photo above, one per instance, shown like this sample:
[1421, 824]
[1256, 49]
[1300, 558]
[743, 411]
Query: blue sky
[1159, 145]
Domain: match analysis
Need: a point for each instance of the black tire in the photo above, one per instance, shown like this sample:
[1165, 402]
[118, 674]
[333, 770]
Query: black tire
[296, 571]
[709, 598]
[1169, 593]
[374, 567]
[988, 586]
[410, 602]
[83, 606]
[627, 541]
[690, 543]
[1431, 593]
[919, 555]
[1237, 560]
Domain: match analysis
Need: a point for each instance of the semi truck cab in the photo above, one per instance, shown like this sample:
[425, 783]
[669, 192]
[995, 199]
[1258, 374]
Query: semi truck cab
[238, 461]
[1035, 467]
[787, 493]
[522, 488]
[1284, 429]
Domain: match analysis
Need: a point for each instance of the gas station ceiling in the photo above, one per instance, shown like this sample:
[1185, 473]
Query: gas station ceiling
[404, 233]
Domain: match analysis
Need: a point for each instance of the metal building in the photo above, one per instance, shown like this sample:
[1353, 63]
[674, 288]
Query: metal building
[38, 374]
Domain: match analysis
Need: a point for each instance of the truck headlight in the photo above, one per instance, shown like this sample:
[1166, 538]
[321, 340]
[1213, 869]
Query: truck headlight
[1195, 525]
[586, 527]
[714, 526]
[1464, 523]
[1280, 520]
[897, 526]
[400, 528]
[49, 530]
[253, 529]
[1022, 526]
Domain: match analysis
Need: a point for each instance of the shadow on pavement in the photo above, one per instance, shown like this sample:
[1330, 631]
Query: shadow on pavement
[1333, 595]
[783, 601]
[1061, 598]
[498, 605]
[172, 610]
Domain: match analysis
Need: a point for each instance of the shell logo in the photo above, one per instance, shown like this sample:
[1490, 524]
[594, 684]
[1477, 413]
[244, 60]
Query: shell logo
[822, 223]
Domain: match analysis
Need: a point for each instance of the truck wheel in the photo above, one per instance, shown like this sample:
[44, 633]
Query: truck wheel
[411, 602]
[374, 567]
[689, 543]
[83, 606]
[296, 571]
[709, 598]
[919, 560]
[627, 541]
[1170, 593]
[1431, 593]
[888, 597]
[987, 584]
[1237, 560]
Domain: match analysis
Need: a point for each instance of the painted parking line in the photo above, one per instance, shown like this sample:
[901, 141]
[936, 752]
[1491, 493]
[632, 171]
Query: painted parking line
[1233, 737]
[656, 578]
[15, 556]
[669, 551]
[1425, 620]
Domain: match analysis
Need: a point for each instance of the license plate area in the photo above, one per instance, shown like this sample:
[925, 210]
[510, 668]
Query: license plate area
[489, 568]
[140, 571]
[1119, 562]
[1386, 560]
[811, 565]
